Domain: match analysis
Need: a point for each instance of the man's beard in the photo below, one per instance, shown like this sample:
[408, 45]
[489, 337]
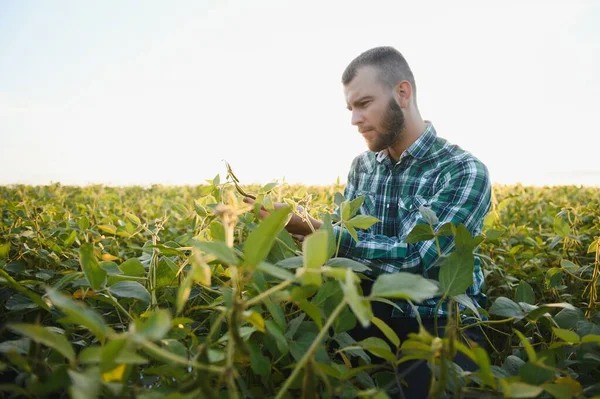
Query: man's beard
[393, 127]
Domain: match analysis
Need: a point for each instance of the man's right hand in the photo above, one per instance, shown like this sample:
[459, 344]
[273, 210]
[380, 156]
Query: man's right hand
[296, 225]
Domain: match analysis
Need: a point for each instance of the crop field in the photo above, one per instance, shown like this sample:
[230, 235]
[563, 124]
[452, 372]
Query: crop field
[183, 292]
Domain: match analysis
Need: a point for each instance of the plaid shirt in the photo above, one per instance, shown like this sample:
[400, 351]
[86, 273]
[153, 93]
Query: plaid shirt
[433, 173]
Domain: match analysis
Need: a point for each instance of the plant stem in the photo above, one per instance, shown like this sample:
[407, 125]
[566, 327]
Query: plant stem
[253, 301]
[180, 360]
[311, 350]
[118, 304]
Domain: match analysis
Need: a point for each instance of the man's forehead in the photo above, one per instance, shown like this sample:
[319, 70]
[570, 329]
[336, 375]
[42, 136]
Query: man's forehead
[365, 83]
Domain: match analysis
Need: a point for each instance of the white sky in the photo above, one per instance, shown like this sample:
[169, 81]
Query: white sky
[141, 92]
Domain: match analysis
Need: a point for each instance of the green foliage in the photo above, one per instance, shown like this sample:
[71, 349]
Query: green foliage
[184, 292]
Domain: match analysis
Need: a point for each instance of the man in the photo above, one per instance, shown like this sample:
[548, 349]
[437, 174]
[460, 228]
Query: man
[407, 166]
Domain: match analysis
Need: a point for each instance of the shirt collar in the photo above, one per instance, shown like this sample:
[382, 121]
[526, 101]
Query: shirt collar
[419, 148]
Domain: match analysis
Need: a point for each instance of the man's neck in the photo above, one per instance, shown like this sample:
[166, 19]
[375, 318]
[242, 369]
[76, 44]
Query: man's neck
[414, 129]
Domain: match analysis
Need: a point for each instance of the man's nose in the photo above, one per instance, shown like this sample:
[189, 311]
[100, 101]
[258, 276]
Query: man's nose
[357, 118]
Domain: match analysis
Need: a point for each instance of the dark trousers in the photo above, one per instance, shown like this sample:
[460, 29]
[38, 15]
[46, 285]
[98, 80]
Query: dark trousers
[415, 372]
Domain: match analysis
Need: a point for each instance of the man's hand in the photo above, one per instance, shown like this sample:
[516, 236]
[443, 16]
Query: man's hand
[296, 225]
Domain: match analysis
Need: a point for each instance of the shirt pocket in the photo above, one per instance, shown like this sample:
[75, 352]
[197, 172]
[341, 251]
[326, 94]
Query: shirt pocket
[368, 206]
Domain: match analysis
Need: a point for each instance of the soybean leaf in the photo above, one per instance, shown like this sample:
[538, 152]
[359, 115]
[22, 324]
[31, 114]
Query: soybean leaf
[218, 249]
[94, 274]
[561, 227]
[130, 289]
[522, 390]
[133, 267]
[362, 221]
[46, 337]
[566, 335]
[404, 286]
[421, 232]
[259, 242]
[456, 272]
[80, 314]
[315, 249]
[12, 283]
[275, 271]
[155, 327]
[349, 263]
[359, 305]
[387, 331]
[525, 293]
[429, 215]
[506, 308]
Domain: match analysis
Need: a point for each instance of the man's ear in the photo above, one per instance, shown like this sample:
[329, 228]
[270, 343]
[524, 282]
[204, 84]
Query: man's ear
[403, 94]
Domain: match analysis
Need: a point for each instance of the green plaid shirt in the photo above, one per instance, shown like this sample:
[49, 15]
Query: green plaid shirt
[431, 172]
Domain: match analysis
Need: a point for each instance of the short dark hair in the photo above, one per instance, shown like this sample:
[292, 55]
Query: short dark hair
[391, 64]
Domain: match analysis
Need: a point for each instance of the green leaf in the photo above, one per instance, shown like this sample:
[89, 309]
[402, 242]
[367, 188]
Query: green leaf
[593, 247]
[110, 268]
[133, 267]
[559, 391]
[348, 263]
[465, 300]
[359, 305]
[447, 229]
[525, 293]
[522, 390]
[568, 318]
[485, 368]
[590, 338]
[107, 228]
[378, 347]
[183, 292]
[260, 364]
[291, 263]
[275, 271]
[456, 272]
[328, 227]
[355, 205]
[561, 227]
[86, 385]
[80, 314]
[527, 345]
[506, 308]
[155, 327]
[362, 221]
[12, 283]
[387, 331]
[46, 337]
[218, 249]
[404, 285]
[133, 219]
[259, 242]
[275, 332]
[352, 232]
[312, 311]
[4, 248]
[20, 302]
[569, 266]
[94, 274]
[315, 249]
[429, 215]
[130, 289]
[255, 319]
[566, 335]
[421, 232]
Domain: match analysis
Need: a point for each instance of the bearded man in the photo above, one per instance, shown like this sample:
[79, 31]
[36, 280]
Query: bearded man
[407, 166]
